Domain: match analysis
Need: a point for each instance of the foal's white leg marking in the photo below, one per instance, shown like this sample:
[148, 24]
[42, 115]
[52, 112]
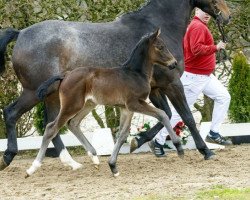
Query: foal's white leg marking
[94, 159]
[35, 165]
[117, 174]
[67, 160]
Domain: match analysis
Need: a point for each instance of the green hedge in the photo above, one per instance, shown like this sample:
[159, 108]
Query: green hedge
[239, 88]
[23, 13]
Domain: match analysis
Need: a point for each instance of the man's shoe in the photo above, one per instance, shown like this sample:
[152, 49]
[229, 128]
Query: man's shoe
[156, 148]
[216, 138]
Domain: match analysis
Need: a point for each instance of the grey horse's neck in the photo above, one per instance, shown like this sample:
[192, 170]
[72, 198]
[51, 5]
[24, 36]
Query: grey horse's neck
[164, 14]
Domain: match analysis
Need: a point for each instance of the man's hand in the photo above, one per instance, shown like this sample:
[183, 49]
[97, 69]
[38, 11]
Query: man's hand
[221, 45]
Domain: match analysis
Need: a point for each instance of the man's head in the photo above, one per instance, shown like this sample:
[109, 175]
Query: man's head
[202, 15]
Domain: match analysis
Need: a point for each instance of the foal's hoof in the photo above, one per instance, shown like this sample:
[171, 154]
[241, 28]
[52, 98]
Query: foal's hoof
[116, 174]
[114, 169]
[133, 145]
[3, 165]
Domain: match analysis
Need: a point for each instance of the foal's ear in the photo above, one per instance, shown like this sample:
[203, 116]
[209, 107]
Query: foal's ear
[156, 33]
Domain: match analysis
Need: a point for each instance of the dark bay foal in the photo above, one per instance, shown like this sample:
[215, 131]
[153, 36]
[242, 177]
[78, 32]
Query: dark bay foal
[127, 87]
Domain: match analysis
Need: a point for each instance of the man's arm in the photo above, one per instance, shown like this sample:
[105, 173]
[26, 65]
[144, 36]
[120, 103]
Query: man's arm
[198, 43]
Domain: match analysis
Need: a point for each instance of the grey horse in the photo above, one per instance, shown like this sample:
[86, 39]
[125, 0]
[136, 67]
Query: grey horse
[48, 48]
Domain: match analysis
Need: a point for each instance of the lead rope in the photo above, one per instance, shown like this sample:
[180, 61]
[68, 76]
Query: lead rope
[222, 53]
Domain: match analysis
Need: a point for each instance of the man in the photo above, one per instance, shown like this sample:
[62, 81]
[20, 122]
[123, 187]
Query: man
[199, 54]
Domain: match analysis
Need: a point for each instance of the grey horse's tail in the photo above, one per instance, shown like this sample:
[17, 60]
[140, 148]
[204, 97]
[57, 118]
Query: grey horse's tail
[43, 89]
[6, 36]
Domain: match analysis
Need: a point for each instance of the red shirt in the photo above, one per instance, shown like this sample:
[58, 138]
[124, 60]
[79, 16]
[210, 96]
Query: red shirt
[199, 48]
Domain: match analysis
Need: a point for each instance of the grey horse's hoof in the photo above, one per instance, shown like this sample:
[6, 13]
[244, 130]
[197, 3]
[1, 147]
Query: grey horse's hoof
[210, 157]
[26, 175]
[181, 154]
[133, 145]
[180, 150]
[97, 167]
[3, 165]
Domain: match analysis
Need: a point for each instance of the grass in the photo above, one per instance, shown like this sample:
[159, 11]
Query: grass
[217, 192]
[158, 197]
[220, 192]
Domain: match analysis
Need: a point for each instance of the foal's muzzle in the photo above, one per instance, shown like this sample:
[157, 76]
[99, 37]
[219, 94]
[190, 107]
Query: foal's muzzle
[172, 65]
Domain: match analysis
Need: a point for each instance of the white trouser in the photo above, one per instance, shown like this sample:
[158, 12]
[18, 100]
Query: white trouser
[194, 85]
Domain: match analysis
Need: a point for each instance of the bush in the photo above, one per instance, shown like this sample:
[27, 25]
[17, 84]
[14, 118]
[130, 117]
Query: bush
[239, 88]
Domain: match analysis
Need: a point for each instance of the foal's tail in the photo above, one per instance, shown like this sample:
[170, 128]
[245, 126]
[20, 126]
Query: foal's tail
[43, 89]
[6, 36]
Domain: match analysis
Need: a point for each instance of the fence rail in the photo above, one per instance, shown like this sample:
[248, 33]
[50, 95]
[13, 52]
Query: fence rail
[103, 142]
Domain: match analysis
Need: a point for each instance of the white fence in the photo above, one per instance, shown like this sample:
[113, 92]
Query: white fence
[103, 142]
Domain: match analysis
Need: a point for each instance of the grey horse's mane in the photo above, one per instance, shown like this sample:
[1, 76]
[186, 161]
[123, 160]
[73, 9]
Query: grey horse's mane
[145, 4]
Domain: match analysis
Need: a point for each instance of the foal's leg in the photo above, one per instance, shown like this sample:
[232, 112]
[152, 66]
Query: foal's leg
[144, 108]
[125, 122]
[159, 100]
[74, 127]
[12, 113]
[52, 109]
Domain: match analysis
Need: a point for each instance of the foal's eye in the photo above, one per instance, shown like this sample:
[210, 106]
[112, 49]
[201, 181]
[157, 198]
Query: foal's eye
[160, 48]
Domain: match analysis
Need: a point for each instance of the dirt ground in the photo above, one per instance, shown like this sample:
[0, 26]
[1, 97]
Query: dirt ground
[141, 175]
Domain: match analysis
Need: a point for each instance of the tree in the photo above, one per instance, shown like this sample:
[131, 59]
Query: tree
[239, 88]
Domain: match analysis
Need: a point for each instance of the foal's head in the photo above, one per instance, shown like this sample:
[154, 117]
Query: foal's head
[159, 53]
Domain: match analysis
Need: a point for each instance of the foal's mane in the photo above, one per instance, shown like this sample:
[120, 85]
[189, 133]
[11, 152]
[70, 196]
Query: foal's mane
[134, 61]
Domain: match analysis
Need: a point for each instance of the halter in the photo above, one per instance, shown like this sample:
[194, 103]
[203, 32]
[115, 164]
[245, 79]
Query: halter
[221, 30]
[217, 13]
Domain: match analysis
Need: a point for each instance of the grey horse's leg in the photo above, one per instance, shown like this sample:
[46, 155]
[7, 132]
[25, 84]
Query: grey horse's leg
[74, 127]
[144, 108]
[175, 93]
[26, 101]
[159, 100]
[52, 109]
[125, 122]
[50, 132]
[66, 113]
